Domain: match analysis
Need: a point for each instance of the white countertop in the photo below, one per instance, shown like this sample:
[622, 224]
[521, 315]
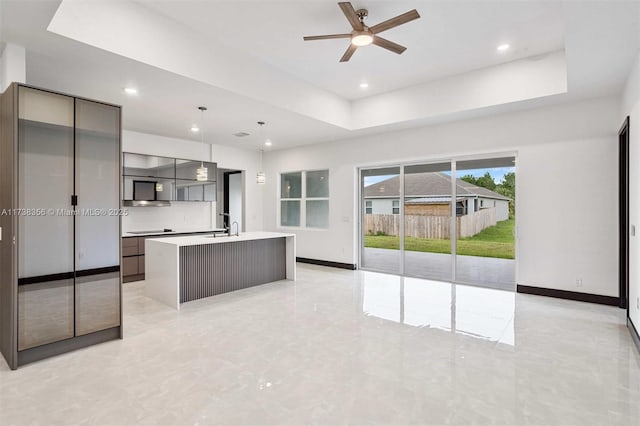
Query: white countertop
[171, 233]
[194, 240]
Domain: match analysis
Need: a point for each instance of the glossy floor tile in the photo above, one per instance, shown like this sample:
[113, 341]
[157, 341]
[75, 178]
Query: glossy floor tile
[342, 347]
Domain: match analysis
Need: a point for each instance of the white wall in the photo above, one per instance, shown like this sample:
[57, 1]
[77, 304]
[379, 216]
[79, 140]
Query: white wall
[248, 161]
[187, 215]
[382, 206]
[502, 210]
[13, 66]
[566, 154]
[631, 107]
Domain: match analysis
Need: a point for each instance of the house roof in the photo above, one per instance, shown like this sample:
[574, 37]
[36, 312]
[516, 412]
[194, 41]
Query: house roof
[427, 185]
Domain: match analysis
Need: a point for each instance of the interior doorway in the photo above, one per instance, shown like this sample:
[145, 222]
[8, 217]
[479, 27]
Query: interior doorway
[449, 220]
[231, 199]
[623, 169]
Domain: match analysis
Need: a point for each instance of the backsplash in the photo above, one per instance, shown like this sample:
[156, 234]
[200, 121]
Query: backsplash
[180, 215]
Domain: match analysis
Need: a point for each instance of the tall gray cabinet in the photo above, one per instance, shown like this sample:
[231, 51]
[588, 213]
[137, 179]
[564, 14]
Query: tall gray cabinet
[60, 282]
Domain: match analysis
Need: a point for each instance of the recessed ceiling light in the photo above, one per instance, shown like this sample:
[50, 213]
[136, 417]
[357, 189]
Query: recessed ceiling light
[195, 128]
[503, 47]
[364, 85]
[130, 90]
[268, 142]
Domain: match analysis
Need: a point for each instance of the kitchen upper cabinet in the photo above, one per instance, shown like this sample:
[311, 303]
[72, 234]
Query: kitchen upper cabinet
[153, 178]
[188, 170]
[148, 166]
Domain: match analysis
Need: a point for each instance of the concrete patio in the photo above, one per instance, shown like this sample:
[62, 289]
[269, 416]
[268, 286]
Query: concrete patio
[481, 271]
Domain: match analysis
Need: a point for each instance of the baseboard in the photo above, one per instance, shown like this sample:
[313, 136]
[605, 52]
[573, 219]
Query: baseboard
[41, 352]
[349, 266]
[132, 278]
[569, 295]
[634, 333]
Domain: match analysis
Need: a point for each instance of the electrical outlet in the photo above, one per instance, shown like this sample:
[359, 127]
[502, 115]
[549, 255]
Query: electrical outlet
[579, 282]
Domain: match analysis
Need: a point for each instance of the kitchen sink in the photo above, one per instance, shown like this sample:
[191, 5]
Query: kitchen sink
[155, 231]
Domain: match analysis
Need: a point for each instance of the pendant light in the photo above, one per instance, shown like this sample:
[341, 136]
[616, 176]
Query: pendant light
[261, 178]
[202, 173]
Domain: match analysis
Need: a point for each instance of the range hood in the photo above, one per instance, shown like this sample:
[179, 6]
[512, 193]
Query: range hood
[146, 203]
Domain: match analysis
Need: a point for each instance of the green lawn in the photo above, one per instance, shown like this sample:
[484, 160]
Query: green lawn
[496, 241]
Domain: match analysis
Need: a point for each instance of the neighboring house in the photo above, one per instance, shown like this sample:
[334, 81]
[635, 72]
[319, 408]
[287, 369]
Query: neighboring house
[429, 194]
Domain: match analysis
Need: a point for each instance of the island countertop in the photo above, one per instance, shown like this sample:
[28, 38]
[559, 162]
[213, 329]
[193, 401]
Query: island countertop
[184, 268]
[172, 233]
[194, 240]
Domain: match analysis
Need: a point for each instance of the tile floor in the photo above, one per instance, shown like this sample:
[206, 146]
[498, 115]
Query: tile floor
[342, 347]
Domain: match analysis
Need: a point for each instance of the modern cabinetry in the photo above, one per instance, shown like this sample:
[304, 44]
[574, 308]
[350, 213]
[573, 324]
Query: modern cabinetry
[149, 180]
[60, 286]
[133, 254]
[133, 259]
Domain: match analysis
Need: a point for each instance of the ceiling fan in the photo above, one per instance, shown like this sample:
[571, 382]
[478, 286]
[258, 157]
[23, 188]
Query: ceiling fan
[363, 35]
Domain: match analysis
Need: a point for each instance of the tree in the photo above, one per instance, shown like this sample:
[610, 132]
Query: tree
[486, 181]
[470, 179]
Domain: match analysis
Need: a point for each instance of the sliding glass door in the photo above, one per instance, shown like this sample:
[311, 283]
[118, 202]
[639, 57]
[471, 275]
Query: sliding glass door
[485, 244]
[448, 221]
[380, 219]
[427, 220]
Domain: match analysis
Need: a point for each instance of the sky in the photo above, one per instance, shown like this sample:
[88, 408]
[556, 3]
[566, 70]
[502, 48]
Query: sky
[497, 173]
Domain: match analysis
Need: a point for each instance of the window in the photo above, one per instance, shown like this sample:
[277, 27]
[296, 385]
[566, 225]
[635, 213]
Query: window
[304, 199]
[395, 207]
[368, 207]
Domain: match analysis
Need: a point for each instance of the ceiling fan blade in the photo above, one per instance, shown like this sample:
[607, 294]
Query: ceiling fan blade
[350, 51]
[326, 37]
[389, 45]
[350, 13]
[394, 22]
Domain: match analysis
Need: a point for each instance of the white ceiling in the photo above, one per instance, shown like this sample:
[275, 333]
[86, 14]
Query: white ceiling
[451, 37]
[600, 39]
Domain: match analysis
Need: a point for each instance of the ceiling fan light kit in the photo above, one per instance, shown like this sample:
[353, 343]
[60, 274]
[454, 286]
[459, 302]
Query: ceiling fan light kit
[363, 35]
[361, 38]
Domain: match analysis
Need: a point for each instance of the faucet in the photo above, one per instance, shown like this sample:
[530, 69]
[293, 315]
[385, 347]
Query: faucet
[226, 228]
[237, 228]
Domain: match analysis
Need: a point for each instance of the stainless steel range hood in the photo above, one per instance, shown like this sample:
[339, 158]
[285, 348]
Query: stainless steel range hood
[146, 203]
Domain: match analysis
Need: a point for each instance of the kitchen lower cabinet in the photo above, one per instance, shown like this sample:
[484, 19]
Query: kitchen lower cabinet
[132, 259]
[60, 285]
[133, 255]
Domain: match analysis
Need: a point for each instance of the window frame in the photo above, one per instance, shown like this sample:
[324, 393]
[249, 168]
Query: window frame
[394, 208]
[303, 200]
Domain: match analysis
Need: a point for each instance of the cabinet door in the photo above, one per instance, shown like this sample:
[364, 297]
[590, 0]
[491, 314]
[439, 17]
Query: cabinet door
[97, 235]
[189, 190]
[97, 302]
[45, 220]
[148, 166]
[45, 313]
[45, 178]
[130, 266]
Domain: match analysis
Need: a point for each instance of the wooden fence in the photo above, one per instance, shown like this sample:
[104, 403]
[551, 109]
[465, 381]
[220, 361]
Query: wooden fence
[433, 227]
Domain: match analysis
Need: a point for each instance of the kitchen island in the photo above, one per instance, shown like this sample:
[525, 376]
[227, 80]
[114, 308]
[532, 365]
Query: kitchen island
[182, 269]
